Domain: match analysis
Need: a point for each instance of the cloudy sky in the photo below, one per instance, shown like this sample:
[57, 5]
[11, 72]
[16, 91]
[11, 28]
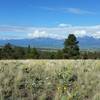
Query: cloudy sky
[49, 18]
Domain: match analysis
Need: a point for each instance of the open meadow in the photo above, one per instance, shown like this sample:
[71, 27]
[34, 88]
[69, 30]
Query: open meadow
[50, 80]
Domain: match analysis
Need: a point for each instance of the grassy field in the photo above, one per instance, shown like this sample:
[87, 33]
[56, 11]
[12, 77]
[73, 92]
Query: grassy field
[50, 80]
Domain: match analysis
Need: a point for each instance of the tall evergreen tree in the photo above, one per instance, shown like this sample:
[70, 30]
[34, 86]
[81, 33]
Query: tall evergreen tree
[71, 48]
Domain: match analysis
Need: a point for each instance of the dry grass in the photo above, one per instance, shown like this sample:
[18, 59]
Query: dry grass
[50, 80]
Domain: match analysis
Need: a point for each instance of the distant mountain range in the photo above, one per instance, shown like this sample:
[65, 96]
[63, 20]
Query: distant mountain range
[85, 42]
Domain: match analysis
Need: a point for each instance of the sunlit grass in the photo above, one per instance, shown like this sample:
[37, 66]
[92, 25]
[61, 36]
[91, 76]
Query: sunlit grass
[49, 80]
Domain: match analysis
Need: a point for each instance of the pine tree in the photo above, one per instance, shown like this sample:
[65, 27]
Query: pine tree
[71, 48]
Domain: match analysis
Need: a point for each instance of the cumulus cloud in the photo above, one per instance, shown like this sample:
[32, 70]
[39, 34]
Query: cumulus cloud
[64, 25]
[51, 32]
[44, 34]
[80, 33]
[37, 34]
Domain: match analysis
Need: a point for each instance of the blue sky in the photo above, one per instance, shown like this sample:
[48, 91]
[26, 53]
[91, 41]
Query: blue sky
[37, 18]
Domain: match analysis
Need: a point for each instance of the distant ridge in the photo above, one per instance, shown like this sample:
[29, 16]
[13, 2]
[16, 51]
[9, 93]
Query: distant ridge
[36, 42]
[84, 42]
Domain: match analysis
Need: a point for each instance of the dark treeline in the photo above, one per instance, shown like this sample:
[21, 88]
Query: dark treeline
[71, 50]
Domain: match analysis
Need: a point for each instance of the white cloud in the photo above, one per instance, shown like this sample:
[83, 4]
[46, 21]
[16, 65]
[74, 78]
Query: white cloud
[50, 32]
[78, 11]
[43, 34]
[37, 34]
[71, 10]
[62, 32]
[80, 33]
[64, 25]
